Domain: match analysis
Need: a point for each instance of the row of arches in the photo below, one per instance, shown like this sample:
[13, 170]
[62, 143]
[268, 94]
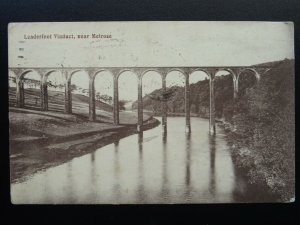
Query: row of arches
[204, 72]
[112, 85]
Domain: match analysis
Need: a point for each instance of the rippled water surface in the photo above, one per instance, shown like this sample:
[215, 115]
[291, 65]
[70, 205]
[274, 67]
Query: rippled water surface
[147, 168]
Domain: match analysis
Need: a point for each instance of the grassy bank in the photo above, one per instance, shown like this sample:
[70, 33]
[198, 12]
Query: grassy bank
[31, 123]
[27, 125]
[41, 139]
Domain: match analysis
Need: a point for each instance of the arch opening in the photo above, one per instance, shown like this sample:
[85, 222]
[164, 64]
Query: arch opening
[247, 78]
[128, 95]
[103, 85]
[80, 93]
[56, 90]
[175, 83]
[152, 93]
[31, 82]
[224, 94]
[199, 94]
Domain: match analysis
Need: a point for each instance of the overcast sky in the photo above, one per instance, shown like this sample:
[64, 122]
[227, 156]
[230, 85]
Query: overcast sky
[151, 44]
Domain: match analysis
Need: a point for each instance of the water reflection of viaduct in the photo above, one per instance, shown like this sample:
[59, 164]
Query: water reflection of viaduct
[139, 72]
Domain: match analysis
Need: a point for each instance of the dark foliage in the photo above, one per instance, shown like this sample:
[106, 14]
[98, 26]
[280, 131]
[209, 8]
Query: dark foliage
[265, 130]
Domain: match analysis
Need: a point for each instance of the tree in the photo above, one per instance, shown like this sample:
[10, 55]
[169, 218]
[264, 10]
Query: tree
[122, 104]
[73, 87]
[106, 98]
[98, 96]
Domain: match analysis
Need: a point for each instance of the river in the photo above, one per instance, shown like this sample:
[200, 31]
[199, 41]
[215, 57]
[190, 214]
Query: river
[143, 168]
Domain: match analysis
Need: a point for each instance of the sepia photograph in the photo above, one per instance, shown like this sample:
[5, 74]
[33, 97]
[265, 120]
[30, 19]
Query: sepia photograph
[151, 112]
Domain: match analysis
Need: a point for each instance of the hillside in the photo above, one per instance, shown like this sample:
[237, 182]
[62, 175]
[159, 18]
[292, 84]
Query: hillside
[56, 100]
[199, 98]
[263, 138]
[80, 106]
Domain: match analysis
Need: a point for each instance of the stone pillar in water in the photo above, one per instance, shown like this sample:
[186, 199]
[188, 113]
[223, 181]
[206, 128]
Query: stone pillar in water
[235, 88]
[116, 101]
[187, 106]
[44, 94]
[164, 106]
[235, 95]
[68, 94]
[140, 105]
[212, 126]
[92, 101]
[20, 93]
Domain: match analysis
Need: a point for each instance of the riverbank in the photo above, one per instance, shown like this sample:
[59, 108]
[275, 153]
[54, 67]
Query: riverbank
[170, 114]
[39, 140]
[251, 167]
[263, 135]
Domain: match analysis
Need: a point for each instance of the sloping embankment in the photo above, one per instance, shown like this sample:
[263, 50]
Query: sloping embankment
[39, 140]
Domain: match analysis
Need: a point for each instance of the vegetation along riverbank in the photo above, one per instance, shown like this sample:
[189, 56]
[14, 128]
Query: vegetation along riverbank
[262, 130]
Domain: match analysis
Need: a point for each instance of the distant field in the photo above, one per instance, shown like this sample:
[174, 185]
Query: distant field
[80, 105]
[56, 100]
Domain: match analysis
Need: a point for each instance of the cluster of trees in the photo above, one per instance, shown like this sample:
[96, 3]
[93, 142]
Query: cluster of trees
[51, 84]
[175, 102]
[105, 98]
[199, 98]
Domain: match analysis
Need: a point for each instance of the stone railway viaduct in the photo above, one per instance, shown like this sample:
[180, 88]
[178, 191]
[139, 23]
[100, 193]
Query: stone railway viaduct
[139, 72]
